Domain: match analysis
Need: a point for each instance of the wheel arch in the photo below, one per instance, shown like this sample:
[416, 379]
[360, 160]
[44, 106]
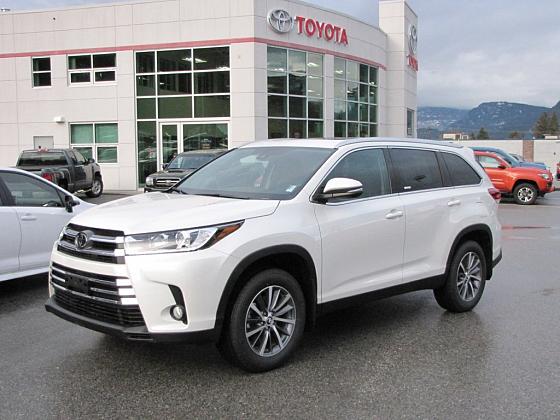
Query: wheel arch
[480, 233]
[294, 259]
[524, 181]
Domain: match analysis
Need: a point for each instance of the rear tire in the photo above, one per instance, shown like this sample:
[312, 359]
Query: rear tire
[266, 322]
[525, 194]
[96, 188]
[466, 279]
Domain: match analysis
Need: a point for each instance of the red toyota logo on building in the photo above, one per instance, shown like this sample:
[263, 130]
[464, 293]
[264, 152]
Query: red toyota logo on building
[281, 21]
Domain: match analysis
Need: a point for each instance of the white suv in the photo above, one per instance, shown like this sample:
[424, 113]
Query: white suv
[251, 248]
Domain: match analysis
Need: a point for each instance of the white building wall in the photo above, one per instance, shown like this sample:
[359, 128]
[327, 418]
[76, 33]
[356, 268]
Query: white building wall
[147, 25]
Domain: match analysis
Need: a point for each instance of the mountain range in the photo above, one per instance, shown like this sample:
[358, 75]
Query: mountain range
[498, 118]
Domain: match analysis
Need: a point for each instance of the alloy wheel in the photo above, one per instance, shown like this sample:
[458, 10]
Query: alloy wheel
[469, 276]
[525, 194]
[270, 321]
[96, 187]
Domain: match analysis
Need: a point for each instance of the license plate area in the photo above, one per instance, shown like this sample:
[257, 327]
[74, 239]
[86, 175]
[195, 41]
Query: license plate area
[77, 283]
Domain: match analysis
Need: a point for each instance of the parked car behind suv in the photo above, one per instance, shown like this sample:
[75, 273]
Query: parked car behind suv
[524, 184]
[67, 168]
[509, 158]
[259, 242]
[182, 165]
[33, 212]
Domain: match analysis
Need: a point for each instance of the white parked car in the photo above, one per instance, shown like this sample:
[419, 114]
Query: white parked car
[33, 212]
[250, 248]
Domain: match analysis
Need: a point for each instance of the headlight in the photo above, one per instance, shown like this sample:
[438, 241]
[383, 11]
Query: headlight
[177, 240]
[149, 181]
[545, 176]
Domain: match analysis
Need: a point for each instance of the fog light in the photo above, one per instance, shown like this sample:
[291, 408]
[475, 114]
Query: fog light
[177, 312]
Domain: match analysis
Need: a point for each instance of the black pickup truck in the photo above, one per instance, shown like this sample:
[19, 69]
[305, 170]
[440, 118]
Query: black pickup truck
[65, 167]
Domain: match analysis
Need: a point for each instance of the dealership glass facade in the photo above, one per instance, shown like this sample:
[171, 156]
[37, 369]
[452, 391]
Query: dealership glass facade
[178, 94]
[295, 94]
[355, 99]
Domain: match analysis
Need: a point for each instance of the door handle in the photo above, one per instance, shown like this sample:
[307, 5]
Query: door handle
[454, 203]
[28, 217]
[394, 214]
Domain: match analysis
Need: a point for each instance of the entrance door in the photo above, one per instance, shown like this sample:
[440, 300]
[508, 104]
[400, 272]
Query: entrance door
[176, 138]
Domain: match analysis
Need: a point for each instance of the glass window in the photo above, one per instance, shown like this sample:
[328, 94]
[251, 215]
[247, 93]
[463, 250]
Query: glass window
[211, 106]
[179, 107]
[96, 68]
[355, 99]
[277, 129]
[211, 82]
[367, 166]
[409, 122]
[106, 135]
[461, 172]
[147, 150]
[211, 58]
[41, 71]
[146, 108]
[178, 60]
[38, 158]
[30, 192]
[145, 85]
[205, 136]
[488, 162]
[417, 169]
[174, 84]
[145, 62]
[295, 88]
[81, 133]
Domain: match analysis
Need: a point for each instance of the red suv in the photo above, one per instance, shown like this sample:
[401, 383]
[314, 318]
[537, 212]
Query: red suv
[525, 184]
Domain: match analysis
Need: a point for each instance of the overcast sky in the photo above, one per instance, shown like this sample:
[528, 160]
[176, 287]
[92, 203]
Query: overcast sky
[470, 51]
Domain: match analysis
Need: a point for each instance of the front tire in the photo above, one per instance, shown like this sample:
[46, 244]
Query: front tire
[525, 194]
[266, 322]
[466, 279]
[96, 188]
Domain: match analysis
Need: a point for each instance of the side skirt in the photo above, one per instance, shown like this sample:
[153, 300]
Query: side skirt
[423, 284]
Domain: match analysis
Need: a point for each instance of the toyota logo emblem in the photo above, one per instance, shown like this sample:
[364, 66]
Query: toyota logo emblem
[280, 20]
[412, 39]
[82, 240]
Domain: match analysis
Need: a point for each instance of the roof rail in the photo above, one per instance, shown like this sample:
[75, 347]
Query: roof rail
[400, 140]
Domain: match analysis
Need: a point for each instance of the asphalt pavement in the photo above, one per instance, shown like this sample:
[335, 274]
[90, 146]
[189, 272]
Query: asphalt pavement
[402, 357]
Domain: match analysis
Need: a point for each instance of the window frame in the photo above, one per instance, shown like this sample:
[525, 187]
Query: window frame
[372, 122]
[6, 194]
[306, 120]
[94, 145]
[390, 178]
[91, 70]
[447, 170]
[33, 72]
[156, 96]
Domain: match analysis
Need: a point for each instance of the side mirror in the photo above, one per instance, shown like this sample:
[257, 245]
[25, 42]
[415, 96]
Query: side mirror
[164, 166]
[502, 167]
[91, 160]
[340, 187]
[69, 203]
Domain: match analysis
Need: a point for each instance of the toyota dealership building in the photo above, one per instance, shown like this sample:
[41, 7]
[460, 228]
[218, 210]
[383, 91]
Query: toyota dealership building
[131, 84]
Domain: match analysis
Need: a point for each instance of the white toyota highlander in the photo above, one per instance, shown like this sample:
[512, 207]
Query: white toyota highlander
[251, 248]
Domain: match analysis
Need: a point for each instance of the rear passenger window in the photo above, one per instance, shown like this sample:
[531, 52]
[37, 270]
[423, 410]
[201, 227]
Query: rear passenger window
[368, 167]
[461, 172]
[417, 169]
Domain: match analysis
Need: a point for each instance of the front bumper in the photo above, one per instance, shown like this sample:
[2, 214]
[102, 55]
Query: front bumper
[129, 333]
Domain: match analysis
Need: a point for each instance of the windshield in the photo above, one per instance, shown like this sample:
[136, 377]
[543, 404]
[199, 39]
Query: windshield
[189, 161]
[275, 173]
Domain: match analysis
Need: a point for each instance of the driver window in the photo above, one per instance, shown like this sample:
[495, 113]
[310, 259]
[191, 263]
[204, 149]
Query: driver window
[367, 166]
[81, 159]
[489, 162]
[30, 192]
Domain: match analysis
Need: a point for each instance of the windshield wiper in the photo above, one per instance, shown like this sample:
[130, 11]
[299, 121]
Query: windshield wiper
[176, 190]
[224, 196]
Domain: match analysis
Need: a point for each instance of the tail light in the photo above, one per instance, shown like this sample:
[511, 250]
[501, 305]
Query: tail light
[495, 193]
[48, 176]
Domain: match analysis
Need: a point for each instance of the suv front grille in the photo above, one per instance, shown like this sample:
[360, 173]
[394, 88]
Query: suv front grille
[104, 298]
[165, 183]
[101, 245]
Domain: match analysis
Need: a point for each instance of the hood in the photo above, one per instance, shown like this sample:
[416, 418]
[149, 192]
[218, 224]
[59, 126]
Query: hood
[172, 172]
[530, 170]
[154, 212]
